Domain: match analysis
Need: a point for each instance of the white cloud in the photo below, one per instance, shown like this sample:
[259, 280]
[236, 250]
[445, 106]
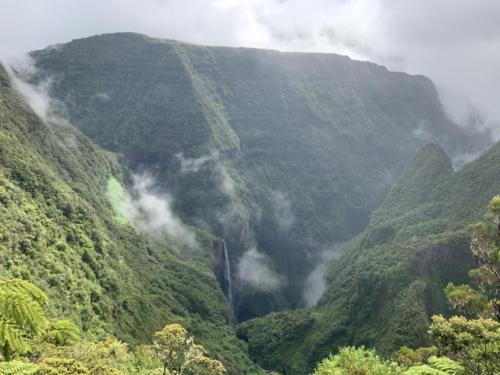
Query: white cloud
[103, 96]
[315, 284]
[254, 269]
[282, 209]
[224, 181]
[21, 69]
[455, 42]
[191, 165]
[150, 211]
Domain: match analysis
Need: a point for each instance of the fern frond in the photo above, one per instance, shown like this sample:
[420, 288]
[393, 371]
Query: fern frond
[24, 287]
[12, 337]
[437, 366]
[63, 332]
[446, 364]
[23, 310]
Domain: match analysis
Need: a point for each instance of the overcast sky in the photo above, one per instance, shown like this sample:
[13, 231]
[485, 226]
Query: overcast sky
[454, 42]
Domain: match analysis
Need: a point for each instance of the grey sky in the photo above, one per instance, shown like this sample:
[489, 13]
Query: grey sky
[455, 42]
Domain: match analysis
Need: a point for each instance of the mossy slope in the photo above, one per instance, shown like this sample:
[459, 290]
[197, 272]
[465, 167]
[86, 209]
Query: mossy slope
[58, 230]
[326, 133]
[390, 279]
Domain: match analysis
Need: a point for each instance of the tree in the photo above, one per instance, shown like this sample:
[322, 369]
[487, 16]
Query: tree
[356, 361]
[197, 362]
[485, 246]
[473, 343]
[436, 366]
[466, 301]
[171, 343]
[21, 315]
[180, 354]
[63, 332]
[407, 357]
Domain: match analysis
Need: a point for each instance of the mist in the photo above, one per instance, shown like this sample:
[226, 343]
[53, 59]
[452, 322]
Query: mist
[282, 209]
[315, 284]
[150, 211]
[21, 69]
[255, 270]
[225, 182]
[454, 42]
[192, 165]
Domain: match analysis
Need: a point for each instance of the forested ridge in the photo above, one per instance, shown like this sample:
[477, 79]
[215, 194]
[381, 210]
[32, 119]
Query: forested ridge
[206, 210]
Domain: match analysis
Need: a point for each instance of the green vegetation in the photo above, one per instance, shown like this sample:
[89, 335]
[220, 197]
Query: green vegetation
[59, 231]
[352, 361]
[53, 349]
[277, 124]
[361, 361]
[21, 315]
[389, 282]
[268, 139]
[473, 343]
[465, 346]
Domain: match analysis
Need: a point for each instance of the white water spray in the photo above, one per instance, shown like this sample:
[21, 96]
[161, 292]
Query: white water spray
[227, 276]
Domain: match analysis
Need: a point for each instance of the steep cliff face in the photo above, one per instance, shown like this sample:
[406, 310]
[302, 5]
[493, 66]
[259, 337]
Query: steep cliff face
[390, 280]
[272, 159]
[58, 229]
[286, 153]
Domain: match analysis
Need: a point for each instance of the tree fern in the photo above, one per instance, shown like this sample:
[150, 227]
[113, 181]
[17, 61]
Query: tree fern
[21, 315]
[436, 366]
[424, 370]
[63, 332]
[23, 310]
[24, 287]
[446, 364]
[11, 339]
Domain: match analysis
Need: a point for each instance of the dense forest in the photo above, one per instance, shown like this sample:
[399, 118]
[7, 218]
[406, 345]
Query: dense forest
[181, 209]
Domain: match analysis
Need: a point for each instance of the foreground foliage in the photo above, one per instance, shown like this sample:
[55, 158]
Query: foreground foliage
[463, 345]
[361, 361]
[44, 347]
[474, 343]
[356, 361]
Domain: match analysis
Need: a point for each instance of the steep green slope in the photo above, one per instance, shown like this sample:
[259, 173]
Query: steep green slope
[58, 230]
[389, 282]
[302, 147]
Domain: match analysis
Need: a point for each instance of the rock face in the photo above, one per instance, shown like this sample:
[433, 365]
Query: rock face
[299, 149]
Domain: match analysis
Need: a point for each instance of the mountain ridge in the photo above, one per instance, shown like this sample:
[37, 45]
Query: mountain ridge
[336, 130]
[390, 279]
[278, 156]
[59, 231]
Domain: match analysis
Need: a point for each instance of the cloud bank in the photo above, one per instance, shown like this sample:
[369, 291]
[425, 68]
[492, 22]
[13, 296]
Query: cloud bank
[455, 42]
[191, 165]
[149, 211]
[282, 209]
[21, 69]
[315, 284]
[255, 270]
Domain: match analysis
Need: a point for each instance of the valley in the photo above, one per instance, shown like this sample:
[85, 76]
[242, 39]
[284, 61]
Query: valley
[277, 205]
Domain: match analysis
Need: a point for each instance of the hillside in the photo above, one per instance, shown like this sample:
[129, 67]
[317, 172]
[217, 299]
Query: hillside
[390, 280]
[283, 155]
[58, 230]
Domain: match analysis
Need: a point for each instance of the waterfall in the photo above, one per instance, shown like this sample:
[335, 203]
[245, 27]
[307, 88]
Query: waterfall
[227, 276]
[222, 270]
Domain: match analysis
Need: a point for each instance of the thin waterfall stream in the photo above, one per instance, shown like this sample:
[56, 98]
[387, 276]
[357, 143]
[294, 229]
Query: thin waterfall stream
[227, 276]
